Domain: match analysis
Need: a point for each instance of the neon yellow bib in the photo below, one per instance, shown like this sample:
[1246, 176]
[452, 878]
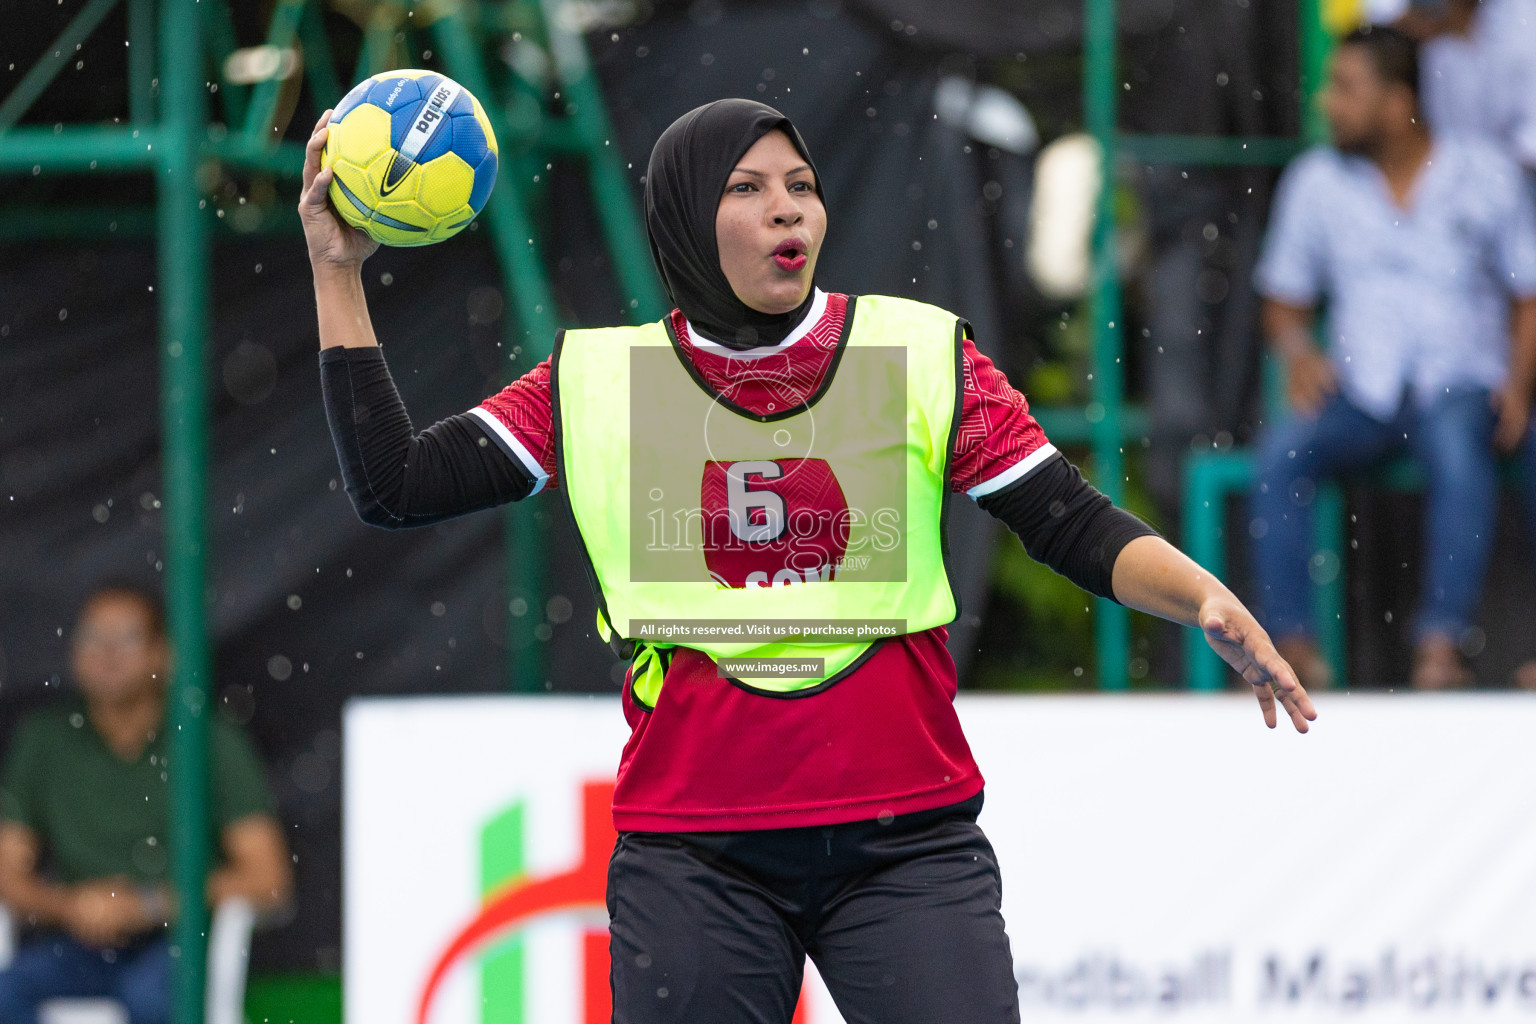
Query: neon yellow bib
[808, 532]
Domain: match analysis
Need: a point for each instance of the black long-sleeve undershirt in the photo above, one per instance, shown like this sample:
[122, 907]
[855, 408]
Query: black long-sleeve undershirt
[1067, 523]
[395, 477]
[398, 478]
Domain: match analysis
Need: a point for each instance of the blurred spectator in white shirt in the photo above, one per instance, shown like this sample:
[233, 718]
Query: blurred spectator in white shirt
[1423, 250]
[1478, 67]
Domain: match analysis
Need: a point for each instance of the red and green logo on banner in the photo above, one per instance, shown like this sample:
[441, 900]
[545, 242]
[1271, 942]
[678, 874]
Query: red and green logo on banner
[511, 899]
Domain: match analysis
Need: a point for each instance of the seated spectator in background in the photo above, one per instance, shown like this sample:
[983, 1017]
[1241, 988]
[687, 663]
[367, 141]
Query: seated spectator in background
[83, 840]
[1479, 73]
[1424, 250]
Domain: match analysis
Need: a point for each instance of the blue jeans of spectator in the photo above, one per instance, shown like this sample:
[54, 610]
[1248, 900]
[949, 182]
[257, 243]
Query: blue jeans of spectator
[1450, 435]
[1526, 477]
[59, 967]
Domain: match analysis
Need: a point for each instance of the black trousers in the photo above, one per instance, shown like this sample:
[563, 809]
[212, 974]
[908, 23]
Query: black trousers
[902, 919]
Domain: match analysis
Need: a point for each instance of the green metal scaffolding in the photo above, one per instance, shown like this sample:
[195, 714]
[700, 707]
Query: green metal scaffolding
[179, 55]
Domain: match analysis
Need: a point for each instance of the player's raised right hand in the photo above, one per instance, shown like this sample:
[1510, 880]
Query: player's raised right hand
[331, 240]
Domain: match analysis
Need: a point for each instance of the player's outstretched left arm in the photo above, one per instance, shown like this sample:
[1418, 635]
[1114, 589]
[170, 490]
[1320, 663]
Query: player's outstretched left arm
[1153, 576]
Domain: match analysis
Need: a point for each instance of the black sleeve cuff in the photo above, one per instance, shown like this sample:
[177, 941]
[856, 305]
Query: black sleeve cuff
[395, 477]
[1068, 524]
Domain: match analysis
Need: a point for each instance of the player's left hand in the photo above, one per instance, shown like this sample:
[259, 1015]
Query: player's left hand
[1236, 635]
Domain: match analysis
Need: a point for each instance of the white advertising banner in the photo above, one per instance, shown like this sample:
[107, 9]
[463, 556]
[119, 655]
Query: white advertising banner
[1163, 858]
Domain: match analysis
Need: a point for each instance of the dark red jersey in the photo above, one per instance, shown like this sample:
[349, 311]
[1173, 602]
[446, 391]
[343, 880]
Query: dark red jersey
[713, 756]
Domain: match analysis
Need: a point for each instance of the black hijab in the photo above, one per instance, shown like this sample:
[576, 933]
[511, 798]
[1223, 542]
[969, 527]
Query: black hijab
[689, 167]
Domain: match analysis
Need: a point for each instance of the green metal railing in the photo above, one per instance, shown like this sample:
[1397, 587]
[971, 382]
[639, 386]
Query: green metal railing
[1101, 91]
[173, 48]
[1210, 477]
[1101, 106]
[184, 428]
[169, 149]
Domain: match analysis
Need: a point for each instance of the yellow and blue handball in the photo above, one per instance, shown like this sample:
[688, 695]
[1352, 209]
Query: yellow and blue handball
[414, 154]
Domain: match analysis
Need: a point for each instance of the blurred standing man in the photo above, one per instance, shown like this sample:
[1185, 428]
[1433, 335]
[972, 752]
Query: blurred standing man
[1425, 251]
[1479, 73]
[85, 798]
